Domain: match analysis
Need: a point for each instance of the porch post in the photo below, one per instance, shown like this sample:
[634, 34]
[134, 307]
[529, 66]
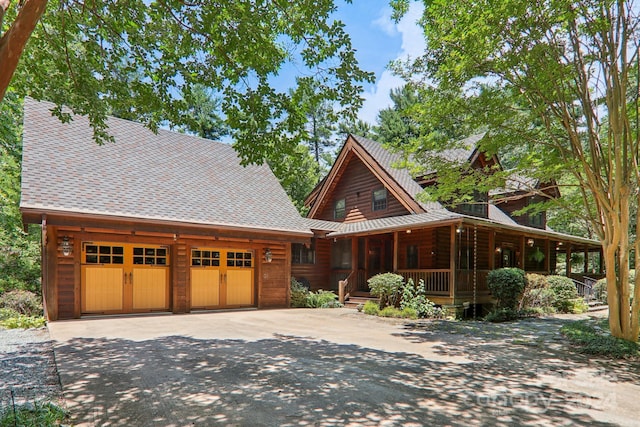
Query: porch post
[586, 261]
[452, 263]
[492, 250]
[568, 260]
[354, 256]
[600, 261]
[547, 258]
[522, 253]
[395, 252]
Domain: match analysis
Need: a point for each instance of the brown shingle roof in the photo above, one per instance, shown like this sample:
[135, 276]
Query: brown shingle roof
[166, 176]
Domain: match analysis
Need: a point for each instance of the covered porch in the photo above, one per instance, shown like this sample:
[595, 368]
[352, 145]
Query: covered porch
[454, 259]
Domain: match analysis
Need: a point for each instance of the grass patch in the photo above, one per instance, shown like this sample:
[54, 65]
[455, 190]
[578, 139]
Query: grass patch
[32, 414]
[592, 338]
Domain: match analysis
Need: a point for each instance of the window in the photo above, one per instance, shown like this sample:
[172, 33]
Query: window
[150, 256]
[476, 208]
[339, 209]
[537, 220]
[379, 199]
[303, 254]
[412, 256]
[205, 258]
[341, 254]
[103, 254]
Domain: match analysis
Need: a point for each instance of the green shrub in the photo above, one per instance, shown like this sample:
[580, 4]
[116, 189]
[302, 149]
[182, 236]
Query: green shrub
[578, 305]
[387, 287]
[322, 299]
[7, 313]
[415, 298]
[600, 290]
[372, 308]
[408, 313]
[37, 414]
[506, 285]
[535, 292]
[501, 315]
[564, 291]
[389, 311]
[24, 302]
[598, 341]
[23, 322]
[298, 294]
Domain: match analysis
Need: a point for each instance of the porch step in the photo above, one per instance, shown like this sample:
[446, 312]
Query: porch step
[359, 297]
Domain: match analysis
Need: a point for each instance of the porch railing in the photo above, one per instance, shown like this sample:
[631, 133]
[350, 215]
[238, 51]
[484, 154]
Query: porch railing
[436, 282]
[356, 279]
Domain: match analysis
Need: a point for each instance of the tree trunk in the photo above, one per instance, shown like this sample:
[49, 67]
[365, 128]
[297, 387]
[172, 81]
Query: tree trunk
[14, 40]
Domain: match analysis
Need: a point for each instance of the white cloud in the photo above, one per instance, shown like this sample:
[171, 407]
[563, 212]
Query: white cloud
[385, 23]
[413, 45]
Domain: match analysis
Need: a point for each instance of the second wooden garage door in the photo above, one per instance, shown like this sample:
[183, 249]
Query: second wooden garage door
[221, 278]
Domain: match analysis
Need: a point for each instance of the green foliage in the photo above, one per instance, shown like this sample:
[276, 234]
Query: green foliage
[565, 293]
[536, 295]
[600, 290]
[147, 58]
[589, 338]
[323, 299]
[38, 414]
[23, 302]
[6, 313]
[298, 294]
[415, 298]
[23, 322]
[371, 308]
[406, 313]
[504, 314]
[387, 287]
[19, 251]
[506, 285]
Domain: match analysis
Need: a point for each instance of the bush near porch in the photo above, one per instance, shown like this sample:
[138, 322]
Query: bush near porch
[400, 299]
[522, 295]
[302, 297]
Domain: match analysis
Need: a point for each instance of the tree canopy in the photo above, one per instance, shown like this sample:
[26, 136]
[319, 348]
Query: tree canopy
[558, 78]
[80, 53]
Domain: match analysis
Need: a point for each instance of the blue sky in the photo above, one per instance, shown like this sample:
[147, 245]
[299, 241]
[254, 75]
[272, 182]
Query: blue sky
[379, 40]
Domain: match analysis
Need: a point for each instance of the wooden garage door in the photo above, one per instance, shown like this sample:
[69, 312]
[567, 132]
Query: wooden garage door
[221, 278]
[124, 278]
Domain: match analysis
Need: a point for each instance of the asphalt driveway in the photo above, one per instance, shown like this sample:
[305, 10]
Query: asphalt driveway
[333, 367]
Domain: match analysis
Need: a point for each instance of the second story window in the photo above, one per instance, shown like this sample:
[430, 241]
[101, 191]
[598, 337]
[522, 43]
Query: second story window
[379, 199]
[339, 209]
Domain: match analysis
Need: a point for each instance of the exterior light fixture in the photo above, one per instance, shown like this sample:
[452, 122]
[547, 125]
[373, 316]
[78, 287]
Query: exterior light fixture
[498, 249]
[268, 256]
[65, 246]
[459, 229]
[530, 242]
[409, 231]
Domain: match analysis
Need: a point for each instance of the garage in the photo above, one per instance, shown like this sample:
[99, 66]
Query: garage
[221, 278]
[124, 278]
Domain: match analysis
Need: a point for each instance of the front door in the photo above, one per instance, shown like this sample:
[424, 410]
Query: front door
[124, 278]
[221, 278]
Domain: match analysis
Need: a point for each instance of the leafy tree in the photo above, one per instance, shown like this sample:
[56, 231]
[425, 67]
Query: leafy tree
[396, 125]
[202, 115]
[559, 78]
[78, 51]
[298, 174]
[19, 251]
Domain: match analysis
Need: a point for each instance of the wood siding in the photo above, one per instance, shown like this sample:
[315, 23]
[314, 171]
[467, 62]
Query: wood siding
[318, 274]
[180, 276]
[356, 186]
[275, 278]
[63, 275]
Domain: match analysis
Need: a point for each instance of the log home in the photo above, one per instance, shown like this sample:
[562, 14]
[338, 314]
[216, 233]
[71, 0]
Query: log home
[367, 220]
[153, 222]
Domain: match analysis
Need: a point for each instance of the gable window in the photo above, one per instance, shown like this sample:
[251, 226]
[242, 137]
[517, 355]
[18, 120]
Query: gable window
[303, 254]
[476, 208]
[379, 199]
[535, 219]
[339, 209]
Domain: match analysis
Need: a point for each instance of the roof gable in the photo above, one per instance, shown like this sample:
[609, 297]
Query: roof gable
[380, 162]
[166, 176]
